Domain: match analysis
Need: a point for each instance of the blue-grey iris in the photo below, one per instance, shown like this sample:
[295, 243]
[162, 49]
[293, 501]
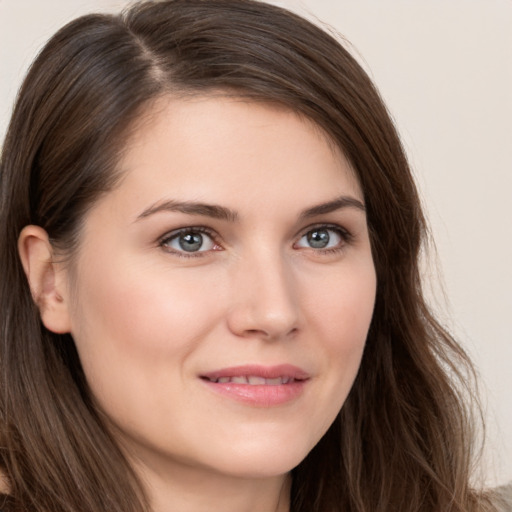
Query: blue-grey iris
[318, 239]
[191, 242]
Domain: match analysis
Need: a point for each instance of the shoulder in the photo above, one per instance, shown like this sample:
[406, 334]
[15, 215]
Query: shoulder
[503, 498]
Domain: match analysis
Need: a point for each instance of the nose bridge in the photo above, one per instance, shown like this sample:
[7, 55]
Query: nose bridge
[264, 300]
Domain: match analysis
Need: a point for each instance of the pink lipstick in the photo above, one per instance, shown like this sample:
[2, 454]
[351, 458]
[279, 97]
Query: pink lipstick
[263, 386]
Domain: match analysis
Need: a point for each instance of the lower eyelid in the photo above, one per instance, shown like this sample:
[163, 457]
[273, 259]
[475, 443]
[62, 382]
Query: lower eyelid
[165, 240]
[345, 236]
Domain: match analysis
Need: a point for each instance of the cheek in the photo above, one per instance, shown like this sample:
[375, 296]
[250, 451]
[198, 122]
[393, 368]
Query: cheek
[135, 331]
[135, 328]
[343, 308]
[341, 317]
[140, 308]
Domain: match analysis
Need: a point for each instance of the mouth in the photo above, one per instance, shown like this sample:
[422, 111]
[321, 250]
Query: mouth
[260, 386]
[252, 380]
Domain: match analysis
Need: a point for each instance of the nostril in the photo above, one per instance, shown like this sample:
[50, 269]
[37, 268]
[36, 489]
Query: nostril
[270, 333]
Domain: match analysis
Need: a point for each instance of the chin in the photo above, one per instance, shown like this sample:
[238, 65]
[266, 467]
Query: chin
[259, 460]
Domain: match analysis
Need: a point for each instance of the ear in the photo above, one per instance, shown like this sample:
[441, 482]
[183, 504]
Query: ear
[47, 279]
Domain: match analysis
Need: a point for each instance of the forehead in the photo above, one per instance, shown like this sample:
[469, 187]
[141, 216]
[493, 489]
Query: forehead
[223, 148]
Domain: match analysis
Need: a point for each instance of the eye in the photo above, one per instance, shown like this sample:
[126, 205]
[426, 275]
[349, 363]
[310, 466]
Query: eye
[189, 240]
[323, 237]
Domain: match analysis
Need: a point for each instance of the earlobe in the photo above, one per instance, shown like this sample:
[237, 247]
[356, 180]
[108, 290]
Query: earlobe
[45, 278]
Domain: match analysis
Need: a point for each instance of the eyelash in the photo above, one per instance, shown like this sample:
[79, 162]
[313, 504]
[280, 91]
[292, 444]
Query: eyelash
[173, 235]
[345, 236]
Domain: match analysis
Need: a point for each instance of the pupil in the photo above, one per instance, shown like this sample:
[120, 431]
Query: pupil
[318, 239]
[191, 242]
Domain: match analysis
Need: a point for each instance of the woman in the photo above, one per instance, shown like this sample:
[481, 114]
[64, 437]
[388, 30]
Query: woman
[211, 297]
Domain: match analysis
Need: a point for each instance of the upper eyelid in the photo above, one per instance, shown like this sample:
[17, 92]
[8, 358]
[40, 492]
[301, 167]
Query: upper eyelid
[325, 225]
[173, 234]
[347, 237]
[198, 229]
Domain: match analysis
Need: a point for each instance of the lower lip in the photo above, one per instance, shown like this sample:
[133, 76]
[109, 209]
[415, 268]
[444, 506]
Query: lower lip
[259, 395]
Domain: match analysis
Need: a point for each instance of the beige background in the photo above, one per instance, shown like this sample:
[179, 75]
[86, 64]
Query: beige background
[445, 69]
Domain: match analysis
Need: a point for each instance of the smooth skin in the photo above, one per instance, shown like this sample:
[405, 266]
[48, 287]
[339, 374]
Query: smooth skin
[236, 236]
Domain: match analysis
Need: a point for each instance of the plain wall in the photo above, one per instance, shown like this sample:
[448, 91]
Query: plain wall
[444, 67]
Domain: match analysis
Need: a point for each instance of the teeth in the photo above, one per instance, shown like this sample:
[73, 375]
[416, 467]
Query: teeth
[239, 380]
[253, 380]
[256, 380]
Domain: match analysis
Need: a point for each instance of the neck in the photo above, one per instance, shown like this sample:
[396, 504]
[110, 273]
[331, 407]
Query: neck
[192, 489]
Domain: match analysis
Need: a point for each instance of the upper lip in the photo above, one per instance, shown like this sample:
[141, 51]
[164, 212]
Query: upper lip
[267, 372]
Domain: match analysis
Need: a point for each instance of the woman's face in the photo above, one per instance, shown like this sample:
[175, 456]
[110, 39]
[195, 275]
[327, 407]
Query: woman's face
[222, 293]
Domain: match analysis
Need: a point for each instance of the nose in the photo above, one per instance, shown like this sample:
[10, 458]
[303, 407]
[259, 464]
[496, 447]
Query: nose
[264, 299]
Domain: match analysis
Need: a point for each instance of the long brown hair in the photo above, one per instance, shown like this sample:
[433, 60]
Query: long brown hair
[402, 439]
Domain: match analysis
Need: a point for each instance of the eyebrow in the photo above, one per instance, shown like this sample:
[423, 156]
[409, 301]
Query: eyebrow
[332, 206]
[191, 208]
[223, 213]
